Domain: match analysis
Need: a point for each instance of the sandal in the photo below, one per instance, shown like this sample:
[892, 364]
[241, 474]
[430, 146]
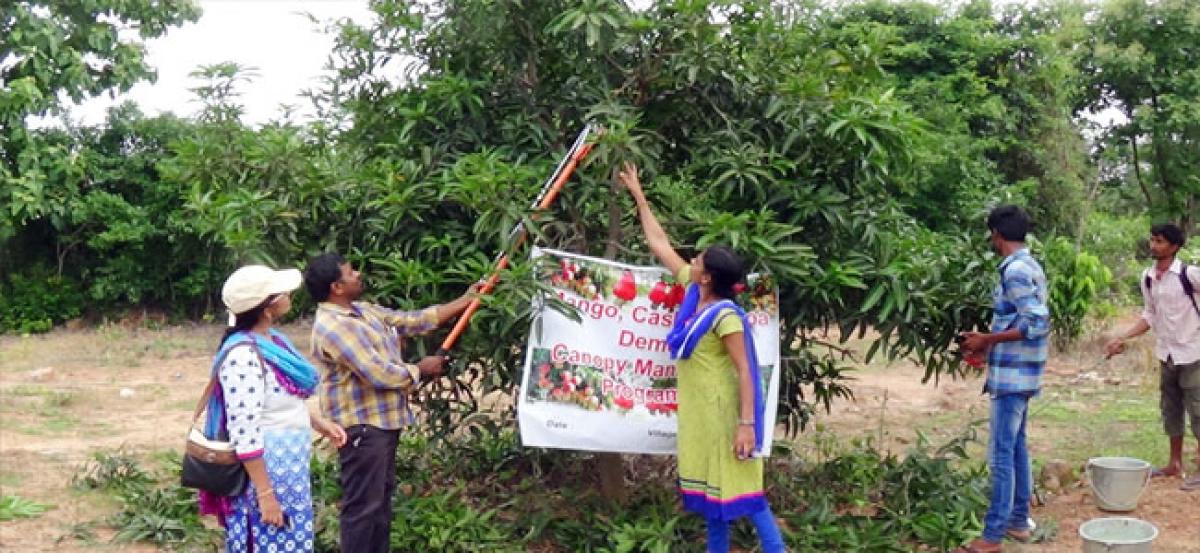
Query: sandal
[979, 546]
[1160, 472]
[1191, 484]
[1019, 534]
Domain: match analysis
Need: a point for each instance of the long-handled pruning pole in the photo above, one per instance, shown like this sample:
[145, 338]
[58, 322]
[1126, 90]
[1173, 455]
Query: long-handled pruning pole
[517, 236]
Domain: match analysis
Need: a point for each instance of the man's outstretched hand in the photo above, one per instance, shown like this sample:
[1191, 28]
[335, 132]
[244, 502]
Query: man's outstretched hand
[975, 342]
[432, 366]
[1115, 347]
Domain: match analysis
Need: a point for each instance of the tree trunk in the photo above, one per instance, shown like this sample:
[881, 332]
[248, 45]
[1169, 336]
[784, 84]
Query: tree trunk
[1137, 169]
[611, 466]
[1089, 197]
[611, 469]
[1160, 158]
[613, 243]
[1189, 216]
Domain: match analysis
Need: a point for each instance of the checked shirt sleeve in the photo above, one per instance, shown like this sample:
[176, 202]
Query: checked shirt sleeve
[1033, 316]
[347, 343]
[407, 323]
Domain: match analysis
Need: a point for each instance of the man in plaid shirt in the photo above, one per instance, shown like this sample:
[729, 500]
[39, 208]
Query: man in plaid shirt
[365, 385]
[1016, 352]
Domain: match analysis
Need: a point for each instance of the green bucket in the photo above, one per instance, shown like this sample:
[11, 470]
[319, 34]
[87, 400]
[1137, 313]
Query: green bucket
[1117, 535]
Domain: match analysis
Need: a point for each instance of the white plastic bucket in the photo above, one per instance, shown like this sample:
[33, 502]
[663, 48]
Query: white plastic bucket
[1117, 535]
[1117, 482]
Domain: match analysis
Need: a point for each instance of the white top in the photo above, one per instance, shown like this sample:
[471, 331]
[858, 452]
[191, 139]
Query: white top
[256, 402]
[1170, 313]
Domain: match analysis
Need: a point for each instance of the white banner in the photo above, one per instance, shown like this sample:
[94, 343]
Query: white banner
[607, 383]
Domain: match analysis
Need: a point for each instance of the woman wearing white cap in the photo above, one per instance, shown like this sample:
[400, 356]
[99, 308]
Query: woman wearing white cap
[259, 403]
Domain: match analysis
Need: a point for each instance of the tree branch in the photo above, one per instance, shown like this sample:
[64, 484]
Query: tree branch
[1137, 168]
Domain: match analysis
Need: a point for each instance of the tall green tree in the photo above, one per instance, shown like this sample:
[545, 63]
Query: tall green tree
[852, 154]
[55, 50]
[997, 86]
[1143, 60]
[757, 128]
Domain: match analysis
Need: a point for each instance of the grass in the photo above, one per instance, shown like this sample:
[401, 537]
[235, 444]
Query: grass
[42, 398]
[164, 347]
[50, 410]
[1105, 420]
[13, 507]
[1072, 420]
[185, 405]
[9, 479]
[150, 505]
[108, 345]
[1110, 411]
[83, 532]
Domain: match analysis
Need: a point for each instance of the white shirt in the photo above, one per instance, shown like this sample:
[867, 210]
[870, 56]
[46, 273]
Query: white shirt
[255, 402]
[1170, 313]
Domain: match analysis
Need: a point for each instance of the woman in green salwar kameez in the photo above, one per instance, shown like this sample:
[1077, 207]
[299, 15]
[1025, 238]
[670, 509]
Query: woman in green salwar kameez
[720, 397]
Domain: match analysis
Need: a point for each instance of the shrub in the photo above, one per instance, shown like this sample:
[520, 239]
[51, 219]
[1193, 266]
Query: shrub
[14, 507]
[1076, 281]
[154, 508]
[36, 300]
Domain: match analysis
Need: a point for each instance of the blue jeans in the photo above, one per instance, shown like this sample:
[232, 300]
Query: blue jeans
[1008, 459]
[764, 521]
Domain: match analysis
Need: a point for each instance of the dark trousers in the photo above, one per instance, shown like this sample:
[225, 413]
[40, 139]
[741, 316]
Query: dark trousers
[1180, 400]
[368, 478]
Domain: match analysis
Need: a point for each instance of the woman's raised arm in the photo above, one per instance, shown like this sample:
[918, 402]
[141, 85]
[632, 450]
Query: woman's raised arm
[656, 237]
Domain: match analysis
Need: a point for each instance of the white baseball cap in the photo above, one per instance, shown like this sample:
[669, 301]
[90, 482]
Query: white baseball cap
[251, 285]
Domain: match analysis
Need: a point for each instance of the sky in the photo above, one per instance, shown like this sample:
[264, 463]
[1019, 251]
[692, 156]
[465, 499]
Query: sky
[287, 49]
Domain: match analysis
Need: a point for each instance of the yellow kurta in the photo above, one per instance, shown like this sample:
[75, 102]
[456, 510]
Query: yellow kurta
[712, 480]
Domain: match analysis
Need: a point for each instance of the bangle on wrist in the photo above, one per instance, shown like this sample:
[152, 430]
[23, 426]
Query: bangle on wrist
[745, 422]
[265, 493]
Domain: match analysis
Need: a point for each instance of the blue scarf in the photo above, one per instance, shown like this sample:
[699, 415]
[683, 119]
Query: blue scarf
[690, 327]
[299, 376]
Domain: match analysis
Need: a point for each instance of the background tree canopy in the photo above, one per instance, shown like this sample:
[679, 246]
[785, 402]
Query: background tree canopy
[852, 152]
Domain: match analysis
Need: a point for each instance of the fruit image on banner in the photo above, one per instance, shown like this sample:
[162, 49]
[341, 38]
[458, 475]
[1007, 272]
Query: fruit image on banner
[592, 389]
[607, 382]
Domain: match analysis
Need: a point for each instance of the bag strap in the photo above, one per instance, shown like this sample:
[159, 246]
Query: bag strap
[1003, 270]
[1187, 287]
[208, 389]
[212, 382]
[1184, 282]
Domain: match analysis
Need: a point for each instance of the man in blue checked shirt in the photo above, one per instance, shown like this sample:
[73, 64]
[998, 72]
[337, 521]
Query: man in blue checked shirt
[1016, 351]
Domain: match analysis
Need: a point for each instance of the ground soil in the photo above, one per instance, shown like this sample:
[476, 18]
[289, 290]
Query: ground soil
[70, 393]
[1175, 513]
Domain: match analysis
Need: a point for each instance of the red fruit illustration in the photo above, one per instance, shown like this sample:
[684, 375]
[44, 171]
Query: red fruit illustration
[658, 295]
[675, 297]
[623, 403]
[975, 360]
[626, 289]
[584, 286]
